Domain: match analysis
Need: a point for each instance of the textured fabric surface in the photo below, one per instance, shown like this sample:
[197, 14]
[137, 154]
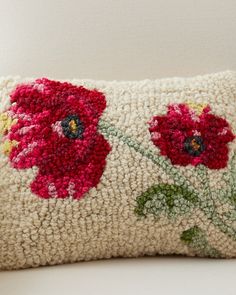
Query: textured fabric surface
[156, 161]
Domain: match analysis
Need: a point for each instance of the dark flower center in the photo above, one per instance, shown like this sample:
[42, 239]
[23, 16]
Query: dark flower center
[194, 145]
[72, 127]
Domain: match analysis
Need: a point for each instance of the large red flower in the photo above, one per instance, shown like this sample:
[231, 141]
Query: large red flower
[56, 130]
[188, 136]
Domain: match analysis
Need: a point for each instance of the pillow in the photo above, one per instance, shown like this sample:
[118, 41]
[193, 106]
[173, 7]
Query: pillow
[95, 169]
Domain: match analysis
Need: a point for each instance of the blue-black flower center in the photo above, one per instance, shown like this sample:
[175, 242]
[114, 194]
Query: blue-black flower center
[194, 145]
[72, 127]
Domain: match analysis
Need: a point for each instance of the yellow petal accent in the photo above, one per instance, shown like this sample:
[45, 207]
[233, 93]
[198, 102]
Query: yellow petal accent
[197, 107]
[6, 122]
[7, 146]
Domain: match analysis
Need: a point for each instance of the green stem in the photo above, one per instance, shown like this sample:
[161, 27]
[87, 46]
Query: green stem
[206, 194]
[233, 176]
[109, 130]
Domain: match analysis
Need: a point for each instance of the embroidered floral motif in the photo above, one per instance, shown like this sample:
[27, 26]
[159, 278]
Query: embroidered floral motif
[55, 127]
[182, 197]
[192, 135]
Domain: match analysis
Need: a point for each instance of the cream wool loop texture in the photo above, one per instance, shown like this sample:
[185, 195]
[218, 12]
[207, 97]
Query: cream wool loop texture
[101, 169]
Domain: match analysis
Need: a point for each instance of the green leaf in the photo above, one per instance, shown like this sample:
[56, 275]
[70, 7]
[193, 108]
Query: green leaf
[233, 199]
[196, 239]
[189, 235]
[171, 199]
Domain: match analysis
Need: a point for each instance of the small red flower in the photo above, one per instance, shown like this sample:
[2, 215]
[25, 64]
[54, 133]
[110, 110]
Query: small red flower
[56, 131]
[187, 137]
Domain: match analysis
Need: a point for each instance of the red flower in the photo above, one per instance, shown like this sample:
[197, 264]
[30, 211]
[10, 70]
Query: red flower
[56, 131]
[187, 137]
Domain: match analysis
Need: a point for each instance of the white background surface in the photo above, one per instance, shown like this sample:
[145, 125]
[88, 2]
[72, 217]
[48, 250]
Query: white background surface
[155, 275]
[117, 39]
[122, 39]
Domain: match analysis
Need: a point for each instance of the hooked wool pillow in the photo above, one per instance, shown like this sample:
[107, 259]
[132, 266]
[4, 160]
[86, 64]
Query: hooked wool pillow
[95, 169]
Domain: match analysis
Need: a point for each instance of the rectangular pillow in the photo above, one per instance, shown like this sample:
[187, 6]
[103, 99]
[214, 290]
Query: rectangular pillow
[96, 169]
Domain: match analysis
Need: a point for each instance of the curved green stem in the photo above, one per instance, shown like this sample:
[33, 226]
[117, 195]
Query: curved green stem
[109, 130]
